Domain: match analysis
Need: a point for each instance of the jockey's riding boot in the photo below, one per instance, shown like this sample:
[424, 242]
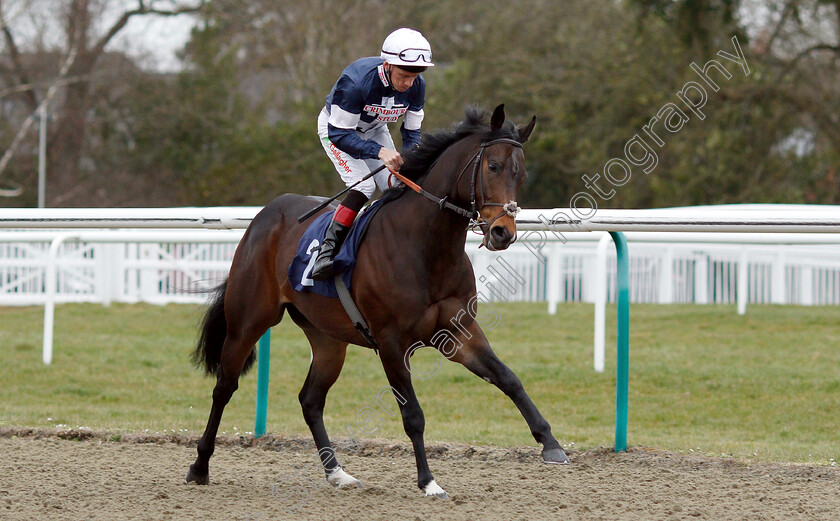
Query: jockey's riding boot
[323, 267]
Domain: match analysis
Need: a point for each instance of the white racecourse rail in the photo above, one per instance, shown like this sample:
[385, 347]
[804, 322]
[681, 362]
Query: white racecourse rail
[169, 264]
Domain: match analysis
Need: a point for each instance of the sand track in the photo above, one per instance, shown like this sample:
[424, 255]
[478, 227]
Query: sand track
[51, 474]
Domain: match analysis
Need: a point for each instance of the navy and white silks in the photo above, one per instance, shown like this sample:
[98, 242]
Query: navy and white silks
[353, 124]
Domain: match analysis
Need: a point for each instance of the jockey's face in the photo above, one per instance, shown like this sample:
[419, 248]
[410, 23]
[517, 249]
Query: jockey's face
[401, 80]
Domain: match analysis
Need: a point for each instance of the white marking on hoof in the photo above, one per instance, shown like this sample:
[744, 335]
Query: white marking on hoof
[567, 462]
[556, 457]
[339, 478]
[433, 490]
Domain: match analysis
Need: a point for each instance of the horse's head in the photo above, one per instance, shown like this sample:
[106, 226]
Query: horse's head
[499, 173]
[490, 168]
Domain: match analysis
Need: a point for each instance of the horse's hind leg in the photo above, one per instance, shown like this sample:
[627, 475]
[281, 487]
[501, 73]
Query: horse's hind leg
[327, 360]
[238, 345]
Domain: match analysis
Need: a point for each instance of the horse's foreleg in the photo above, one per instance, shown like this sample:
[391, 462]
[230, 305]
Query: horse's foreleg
[414, 423]
[479, 358]
[327, 360]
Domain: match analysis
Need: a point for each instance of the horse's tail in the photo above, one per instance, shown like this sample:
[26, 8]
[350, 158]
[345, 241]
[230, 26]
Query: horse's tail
[208, 352]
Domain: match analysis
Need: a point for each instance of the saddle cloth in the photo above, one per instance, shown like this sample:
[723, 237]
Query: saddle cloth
[345, 260]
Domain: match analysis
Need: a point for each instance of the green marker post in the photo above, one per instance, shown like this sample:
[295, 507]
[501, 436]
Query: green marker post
[263, 359]
[623, 341]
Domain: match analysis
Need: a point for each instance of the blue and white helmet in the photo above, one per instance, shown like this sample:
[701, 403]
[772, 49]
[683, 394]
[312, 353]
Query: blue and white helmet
[407, 47]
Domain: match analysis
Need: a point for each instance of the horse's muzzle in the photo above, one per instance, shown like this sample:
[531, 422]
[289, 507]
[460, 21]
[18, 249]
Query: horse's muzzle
[499, 238]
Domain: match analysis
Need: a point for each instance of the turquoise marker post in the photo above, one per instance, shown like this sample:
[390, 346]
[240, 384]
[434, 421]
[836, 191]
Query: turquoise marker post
[263, 359]
[622, 369]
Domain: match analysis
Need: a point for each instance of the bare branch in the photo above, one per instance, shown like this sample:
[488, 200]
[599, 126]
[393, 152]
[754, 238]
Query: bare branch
[14, 53]
[785, 13]
[33, 86]
[141, 9]
[837, 14]
[814, 48]
[7, 18]
[4, 161]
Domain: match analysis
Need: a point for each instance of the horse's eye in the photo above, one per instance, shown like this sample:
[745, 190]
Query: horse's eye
[494, 167]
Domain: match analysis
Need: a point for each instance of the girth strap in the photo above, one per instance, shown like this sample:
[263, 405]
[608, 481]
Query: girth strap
[353, 312]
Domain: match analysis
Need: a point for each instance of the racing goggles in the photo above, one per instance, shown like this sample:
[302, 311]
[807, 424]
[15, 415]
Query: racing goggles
[412, 55]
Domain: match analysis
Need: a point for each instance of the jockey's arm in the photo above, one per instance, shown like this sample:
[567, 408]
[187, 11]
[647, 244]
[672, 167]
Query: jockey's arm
[348, 141]
[410, 138]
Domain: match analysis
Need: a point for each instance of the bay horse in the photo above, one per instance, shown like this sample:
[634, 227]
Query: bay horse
[412, 277]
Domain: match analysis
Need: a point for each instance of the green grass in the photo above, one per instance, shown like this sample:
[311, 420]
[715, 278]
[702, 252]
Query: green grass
[764, 386]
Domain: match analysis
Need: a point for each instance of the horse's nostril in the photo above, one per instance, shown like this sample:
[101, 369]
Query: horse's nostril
[500, 234]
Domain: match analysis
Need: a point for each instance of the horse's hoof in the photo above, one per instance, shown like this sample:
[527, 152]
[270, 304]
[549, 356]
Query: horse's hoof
[199, 480]
[434, 490]
[340, 479]
[555, 457]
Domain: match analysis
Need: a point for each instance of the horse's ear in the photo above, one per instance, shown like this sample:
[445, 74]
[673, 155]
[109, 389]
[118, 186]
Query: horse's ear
[498, 117]
[525, 133]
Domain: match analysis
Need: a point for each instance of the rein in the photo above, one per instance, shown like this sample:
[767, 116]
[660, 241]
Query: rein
[441, 201]
[511, 208]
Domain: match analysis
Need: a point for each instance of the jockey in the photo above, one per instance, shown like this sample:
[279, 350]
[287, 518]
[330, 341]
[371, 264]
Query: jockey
[352, 127]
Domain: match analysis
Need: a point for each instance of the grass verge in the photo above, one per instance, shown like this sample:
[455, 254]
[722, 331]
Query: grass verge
[702, 379]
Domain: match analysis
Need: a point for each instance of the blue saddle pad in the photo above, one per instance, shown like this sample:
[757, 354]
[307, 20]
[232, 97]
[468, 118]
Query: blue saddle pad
[345, 260]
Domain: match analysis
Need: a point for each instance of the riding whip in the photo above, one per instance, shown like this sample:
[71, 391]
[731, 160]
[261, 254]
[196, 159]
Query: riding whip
[323, 205]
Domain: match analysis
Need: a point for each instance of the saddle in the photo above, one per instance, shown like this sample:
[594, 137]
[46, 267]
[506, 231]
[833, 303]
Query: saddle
[345, 259]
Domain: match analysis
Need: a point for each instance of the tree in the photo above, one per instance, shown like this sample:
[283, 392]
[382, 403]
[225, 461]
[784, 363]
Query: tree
[79, 22]
[792, 96]
[237, 125]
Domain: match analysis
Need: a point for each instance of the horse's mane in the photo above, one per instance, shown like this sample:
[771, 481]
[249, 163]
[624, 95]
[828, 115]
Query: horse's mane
[419, 161]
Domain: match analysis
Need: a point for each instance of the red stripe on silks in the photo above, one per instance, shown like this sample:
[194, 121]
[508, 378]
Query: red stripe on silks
[344, 216]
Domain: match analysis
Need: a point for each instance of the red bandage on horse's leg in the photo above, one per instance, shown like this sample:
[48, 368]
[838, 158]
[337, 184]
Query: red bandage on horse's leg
[344, 216]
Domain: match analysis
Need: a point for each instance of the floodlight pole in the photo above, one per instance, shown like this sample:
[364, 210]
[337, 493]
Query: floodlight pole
[42, 155]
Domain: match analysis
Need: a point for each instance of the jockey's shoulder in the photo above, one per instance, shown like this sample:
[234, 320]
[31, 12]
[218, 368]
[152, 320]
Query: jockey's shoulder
[363, 68]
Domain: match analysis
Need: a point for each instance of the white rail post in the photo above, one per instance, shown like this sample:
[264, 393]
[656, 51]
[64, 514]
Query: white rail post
[701, 279]
[777, 278]
[103, 272]
[600, 301]
[149, 281]
[49, 305]
[742, 282]
[554, 276]
[666, 277]
[116, 282]
[806, 285]
[131, 288]
[590, 277]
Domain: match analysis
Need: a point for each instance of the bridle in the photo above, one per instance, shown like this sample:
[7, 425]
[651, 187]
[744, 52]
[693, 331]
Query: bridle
[474, 213]
[510, 208]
